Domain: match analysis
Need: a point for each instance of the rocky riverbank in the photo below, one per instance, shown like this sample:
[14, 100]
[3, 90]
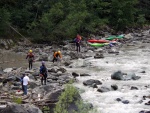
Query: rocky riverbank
[63, 72]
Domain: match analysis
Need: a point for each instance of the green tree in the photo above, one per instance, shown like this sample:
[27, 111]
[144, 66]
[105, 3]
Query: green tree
[122, 13]
[4, 21]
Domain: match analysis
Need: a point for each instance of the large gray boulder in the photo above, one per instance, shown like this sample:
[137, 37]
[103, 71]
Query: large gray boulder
[118, 75]
[20, 108]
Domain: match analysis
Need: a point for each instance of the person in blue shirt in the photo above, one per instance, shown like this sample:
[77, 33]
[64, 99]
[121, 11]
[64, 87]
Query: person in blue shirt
[43, 73]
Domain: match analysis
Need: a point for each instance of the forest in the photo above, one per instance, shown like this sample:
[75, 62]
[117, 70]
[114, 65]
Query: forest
[47, 20]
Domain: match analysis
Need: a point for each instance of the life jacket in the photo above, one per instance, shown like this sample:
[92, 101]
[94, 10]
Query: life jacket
[56, 54]
[30, 57]
[43, 70]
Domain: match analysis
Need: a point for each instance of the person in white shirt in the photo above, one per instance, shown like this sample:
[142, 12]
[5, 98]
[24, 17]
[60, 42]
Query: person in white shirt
[25, 84]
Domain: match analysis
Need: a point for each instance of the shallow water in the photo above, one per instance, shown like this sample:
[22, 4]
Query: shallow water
[10, 59]
[131, 59]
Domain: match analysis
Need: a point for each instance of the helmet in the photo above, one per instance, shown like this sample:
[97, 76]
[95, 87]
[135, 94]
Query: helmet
[59, 52]
[30, 51]
[43, 62]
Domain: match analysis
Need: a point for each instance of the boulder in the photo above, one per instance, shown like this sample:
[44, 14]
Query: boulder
[114, 86]
[18, 108]
[90, 82]
[118, 75]
[103, 89]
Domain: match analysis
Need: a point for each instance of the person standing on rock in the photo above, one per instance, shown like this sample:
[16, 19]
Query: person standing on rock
[25, 84]
[21, 79]
[78, 41]
[56, 56]
[43, 73]
[30, 57]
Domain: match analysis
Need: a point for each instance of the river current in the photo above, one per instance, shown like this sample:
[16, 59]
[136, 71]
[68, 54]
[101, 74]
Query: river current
[131, 59]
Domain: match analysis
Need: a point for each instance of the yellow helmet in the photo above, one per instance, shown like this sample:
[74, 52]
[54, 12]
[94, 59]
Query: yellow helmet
[59, 52]
[30, 51]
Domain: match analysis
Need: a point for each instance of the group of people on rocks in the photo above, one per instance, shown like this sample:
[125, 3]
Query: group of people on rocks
[43, 70]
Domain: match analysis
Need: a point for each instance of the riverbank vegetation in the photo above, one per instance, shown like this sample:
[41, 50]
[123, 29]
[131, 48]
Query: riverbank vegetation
[43, 21]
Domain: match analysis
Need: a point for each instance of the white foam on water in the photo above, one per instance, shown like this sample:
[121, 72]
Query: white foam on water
[129, 61]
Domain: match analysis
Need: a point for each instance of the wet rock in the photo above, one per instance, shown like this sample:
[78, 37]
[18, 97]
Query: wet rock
[142, 112]
[98, 55]
[85, 74]
[131, 76]
[91, 81]
[118, 75]
[148, 103]
[118, 99]
[17, 108]
[103, 89]
[74, 74]
[134, 88]
[94, 85]
[125, 101]
[143, 72]
[114, 87]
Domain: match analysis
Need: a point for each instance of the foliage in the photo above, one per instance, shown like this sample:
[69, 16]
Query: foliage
[68, 97]
[17, 100]
[46, 109]
[56, 20]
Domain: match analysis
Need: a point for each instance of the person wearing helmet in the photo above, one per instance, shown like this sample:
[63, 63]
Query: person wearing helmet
[43, 73]
[56, 55]
[77, 40]
[30, 57]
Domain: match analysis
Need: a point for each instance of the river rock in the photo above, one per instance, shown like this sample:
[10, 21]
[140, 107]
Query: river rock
[84, 74]
[91, 81]
[98, 55]
[24, 108]
[125, 101]
[134, 88]
[118, 75]
[103, 89]
[131, 76]
[74, 74]
[114, 86]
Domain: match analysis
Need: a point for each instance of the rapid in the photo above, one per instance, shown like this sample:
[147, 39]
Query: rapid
[131, 59]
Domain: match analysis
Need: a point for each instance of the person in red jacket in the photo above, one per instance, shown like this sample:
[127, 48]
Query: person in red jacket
[30, 57]
[78, 41]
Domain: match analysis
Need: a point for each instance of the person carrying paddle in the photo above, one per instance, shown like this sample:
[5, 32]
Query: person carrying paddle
[78, 41]
[30, 57]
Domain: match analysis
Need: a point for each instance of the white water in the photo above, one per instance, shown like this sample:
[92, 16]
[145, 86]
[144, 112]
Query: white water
[130, 59]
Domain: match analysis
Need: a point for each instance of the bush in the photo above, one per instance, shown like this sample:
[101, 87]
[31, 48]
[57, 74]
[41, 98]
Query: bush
[70, 102]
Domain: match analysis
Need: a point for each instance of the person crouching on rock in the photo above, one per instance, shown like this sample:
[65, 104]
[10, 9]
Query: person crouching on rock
[43, 73]
[56, 56]
[30, 57]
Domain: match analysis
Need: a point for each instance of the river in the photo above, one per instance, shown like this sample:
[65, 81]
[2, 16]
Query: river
[130, 59]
